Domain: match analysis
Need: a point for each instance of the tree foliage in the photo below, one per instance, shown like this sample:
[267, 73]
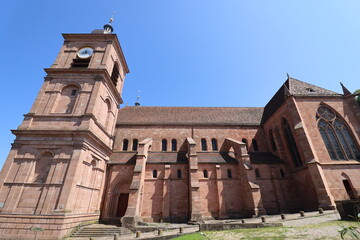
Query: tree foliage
[357, 97]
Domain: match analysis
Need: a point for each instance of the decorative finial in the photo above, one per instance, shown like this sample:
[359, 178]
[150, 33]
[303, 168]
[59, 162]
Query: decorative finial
[288, 76]
[137, 99]
[345, 90]
[108, 28]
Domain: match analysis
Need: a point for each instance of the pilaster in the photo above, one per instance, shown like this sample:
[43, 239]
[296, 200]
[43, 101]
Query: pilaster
[133, 212]
[194, 194]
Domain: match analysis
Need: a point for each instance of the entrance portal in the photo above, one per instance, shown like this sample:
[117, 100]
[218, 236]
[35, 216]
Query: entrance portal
[122, 204]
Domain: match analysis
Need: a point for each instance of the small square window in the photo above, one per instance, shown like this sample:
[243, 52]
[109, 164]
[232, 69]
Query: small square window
[73, 92]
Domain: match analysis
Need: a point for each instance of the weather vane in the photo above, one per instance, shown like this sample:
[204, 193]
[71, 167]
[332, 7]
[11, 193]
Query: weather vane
[108, 27]
[137, 99]
[112, 17]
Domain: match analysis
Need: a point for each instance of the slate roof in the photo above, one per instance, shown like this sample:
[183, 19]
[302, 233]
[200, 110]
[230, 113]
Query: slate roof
[167, 157]
[294, 87]
[216, 157]
[123, 158]
[248, 116]
[300, 88]
[264, 158]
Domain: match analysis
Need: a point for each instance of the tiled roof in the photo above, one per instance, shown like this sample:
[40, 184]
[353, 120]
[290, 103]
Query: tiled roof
[249, 116]
[264, 158]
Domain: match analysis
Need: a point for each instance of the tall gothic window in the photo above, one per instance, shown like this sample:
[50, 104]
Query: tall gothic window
[291, 144]
[336, 135]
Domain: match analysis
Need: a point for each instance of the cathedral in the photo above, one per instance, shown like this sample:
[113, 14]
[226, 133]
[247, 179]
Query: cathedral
[78, 158]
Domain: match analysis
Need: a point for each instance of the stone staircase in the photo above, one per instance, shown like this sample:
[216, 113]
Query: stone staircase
[99, 230]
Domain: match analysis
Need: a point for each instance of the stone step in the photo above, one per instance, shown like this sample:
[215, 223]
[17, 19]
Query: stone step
[103, 229]
[100, 231]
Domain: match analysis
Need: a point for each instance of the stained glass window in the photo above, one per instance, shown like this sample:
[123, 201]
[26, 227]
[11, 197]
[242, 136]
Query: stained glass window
[336, 135]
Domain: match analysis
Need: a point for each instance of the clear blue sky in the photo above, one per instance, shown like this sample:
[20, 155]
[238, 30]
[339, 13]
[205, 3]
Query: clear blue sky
[184, 53]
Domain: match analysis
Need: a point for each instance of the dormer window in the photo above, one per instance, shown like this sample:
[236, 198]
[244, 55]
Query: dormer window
[310, 90]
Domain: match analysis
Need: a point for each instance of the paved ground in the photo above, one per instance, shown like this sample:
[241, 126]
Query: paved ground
[293, 223]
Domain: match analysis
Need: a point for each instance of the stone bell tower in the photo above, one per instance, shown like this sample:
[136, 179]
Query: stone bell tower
[54, 175]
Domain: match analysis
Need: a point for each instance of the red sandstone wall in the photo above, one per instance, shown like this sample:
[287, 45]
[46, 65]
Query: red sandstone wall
[336, 173]
[180, 133]
[118, 181]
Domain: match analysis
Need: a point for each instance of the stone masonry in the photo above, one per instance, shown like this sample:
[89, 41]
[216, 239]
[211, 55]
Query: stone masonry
[78, 158]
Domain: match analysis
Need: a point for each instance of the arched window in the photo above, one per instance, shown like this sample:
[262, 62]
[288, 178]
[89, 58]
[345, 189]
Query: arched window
[164, 145]
[336, 135]
[67, 99]
[173, 145]
[257, 173]
[282, 173]
[135, 144]
[115, 73]
[179, 173]
[294, 152]
[203, 144]
[125, 144]
[205, 173]
[255, 146]
[229, 173]
[154, 173]
[246, 143]
[272, 140]
[214, 144]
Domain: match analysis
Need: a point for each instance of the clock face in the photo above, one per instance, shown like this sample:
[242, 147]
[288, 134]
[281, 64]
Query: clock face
[85, 52]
